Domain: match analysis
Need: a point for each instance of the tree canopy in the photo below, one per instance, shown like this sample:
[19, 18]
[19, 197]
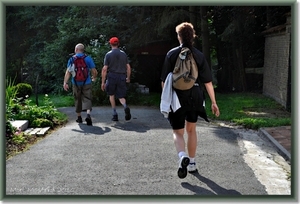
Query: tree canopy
[38, 45]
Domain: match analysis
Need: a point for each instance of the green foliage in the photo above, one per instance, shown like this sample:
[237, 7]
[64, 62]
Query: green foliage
[41, 122]
[18, 138]
[10, 130]
[99, 97]
[250, 110]
[30, 112]
[10, 92]
[24, 90]
[63, 101]
[38, 116]
[256, 123]
[38, 45]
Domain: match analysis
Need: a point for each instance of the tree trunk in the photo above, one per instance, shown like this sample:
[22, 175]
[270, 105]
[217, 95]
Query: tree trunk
[205, 34]
[36, 90]
[193, 17]
[240, 75]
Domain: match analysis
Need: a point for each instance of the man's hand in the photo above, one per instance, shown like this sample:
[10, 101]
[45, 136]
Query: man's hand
[66, 87]
[103, 86]
[215, 109]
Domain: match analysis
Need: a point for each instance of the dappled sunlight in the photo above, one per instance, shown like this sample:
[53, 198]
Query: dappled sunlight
[254, 113]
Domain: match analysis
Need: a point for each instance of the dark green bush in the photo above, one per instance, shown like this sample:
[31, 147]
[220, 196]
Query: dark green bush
[24, 89]
[99, 97]
[10, 130]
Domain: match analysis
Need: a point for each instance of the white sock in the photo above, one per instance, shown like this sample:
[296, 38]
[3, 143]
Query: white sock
[181, 154]
[192, 160]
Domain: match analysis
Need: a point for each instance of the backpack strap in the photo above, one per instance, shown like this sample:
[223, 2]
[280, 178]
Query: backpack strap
[84, 56]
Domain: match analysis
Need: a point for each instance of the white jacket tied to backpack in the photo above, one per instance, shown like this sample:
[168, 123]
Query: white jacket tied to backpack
[169, 97]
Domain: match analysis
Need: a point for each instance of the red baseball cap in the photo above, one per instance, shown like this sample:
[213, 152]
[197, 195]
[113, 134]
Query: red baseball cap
[114, 40]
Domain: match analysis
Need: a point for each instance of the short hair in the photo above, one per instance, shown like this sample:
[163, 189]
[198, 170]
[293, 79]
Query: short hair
[186, 32]
[80, 47]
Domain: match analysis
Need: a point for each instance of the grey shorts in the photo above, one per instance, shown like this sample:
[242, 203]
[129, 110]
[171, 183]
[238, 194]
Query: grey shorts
[83, 97]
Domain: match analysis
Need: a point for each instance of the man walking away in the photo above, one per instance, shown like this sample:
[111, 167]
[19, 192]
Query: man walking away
[81, 82]
[115, 74]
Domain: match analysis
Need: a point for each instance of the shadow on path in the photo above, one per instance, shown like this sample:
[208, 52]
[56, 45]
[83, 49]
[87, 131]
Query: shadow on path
[132, 126]
[92, 129]
[216, 189]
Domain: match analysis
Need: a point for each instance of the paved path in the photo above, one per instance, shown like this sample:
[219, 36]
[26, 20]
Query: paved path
[138, 158]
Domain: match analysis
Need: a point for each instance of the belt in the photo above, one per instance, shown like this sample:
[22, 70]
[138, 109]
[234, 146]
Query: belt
[116, 73]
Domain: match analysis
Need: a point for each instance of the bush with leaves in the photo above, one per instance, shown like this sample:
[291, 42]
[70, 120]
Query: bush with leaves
[10, 130]
[15, 139]
[33, 112]
[41, 122]
[38, 116]
[10, 92]
[23, 90]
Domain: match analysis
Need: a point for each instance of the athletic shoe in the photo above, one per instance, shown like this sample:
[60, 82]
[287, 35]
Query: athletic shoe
[183, 163]
[88, 121]
[115, 118]
[127, 113]
[192, 168]
[79, 119]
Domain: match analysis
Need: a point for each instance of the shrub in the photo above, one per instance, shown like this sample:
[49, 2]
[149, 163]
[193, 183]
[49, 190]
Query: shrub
[24, 90]
[10, 130]
[19, 138]
[99, 97]
[41, 122]
[10, 92]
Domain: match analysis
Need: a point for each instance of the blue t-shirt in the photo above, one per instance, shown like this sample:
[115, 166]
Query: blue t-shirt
[90, 64]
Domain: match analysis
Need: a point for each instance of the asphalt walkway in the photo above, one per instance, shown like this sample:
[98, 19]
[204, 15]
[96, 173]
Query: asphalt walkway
[135, 157]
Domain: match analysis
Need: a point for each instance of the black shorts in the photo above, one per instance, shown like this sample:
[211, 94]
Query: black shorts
[177, 119]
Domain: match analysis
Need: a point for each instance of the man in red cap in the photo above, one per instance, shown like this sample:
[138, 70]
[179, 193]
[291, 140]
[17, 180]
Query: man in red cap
[115, 74]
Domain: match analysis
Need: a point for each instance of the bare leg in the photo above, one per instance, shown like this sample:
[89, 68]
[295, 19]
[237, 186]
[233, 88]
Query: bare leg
[192, 139]
[112, 101]
[122, 101]
[126, 109]
[180, 147]
[179, 140]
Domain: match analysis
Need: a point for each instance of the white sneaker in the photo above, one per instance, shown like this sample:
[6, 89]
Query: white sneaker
[183, 163]
[192, 168]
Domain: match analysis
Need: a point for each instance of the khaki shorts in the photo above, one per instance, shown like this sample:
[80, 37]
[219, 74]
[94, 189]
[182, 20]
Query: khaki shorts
[83, 97]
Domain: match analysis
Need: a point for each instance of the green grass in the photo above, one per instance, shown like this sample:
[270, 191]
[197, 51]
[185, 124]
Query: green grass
[58, 100]
[250, 110]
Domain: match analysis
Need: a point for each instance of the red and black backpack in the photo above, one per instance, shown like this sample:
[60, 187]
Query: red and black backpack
[81, 68]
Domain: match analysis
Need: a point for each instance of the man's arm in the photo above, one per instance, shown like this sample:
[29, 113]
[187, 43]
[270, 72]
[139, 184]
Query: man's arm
[66, 79]
[103, 76]
[94, 74]
[210, 90]
[128, 73]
